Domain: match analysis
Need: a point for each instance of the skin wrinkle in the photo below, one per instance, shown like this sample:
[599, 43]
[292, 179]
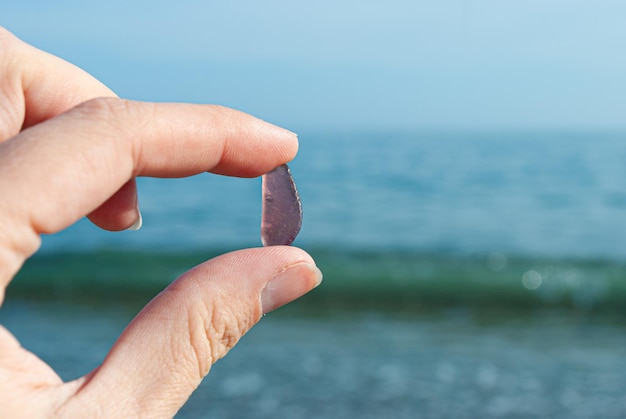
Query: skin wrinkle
[216, 333]
[227, 330]
[12, 103]
[113, 110]
[136, 147]
[13, 113]
[213, 331]
[183, 354]
[216, 154]
[201, 342]
[224, 146]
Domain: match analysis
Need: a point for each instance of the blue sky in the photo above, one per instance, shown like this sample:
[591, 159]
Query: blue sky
[398, 64]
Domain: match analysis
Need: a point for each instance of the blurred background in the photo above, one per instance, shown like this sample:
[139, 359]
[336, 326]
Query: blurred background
[462, 168]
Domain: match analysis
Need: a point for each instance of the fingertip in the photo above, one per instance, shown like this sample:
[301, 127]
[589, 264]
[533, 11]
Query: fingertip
[289, 143]
[136, 226]
[266, 145]
[120, 211]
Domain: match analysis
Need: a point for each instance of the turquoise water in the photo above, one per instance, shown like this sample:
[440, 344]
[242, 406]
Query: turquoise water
[466, 275]
[533, 194]
[452, 363]
[389, 281]
[502, 216]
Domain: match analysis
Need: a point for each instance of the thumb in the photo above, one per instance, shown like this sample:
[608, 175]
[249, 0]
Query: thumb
[170, 346]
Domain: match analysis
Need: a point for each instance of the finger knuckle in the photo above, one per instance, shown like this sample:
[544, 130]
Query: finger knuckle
[120, 113]
[120, 119]
[11, 101]
[109, 108]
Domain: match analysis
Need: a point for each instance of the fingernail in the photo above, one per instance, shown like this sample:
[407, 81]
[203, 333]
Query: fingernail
[288, 285]
[137, 224]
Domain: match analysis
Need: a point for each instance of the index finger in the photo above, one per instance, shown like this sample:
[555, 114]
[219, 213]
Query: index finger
[55, 172]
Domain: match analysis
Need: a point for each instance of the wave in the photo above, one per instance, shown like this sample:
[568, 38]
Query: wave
[353, 279]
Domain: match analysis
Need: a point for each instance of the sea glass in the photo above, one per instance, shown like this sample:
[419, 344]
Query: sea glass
[281, 216]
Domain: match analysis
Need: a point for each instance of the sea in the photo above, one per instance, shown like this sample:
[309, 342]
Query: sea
[467, 274]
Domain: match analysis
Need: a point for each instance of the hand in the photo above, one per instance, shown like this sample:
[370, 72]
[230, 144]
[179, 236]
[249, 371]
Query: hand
[69, 148]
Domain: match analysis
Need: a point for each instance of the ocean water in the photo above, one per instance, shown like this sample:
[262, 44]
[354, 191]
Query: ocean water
[558, 194]
[441, 364]
[508, 218]
[467, 275]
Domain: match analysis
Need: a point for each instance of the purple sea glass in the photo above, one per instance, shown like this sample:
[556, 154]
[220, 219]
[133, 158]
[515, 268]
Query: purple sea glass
[281, 216]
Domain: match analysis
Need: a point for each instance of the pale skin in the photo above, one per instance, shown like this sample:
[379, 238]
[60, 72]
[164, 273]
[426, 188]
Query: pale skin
[70, 148]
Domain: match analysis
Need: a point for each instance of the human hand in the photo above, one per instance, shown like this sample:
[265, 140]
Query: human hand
[65, 151]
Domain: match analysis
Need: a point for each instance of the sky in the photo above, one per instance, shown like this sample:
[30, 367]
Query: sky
[353, 64]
